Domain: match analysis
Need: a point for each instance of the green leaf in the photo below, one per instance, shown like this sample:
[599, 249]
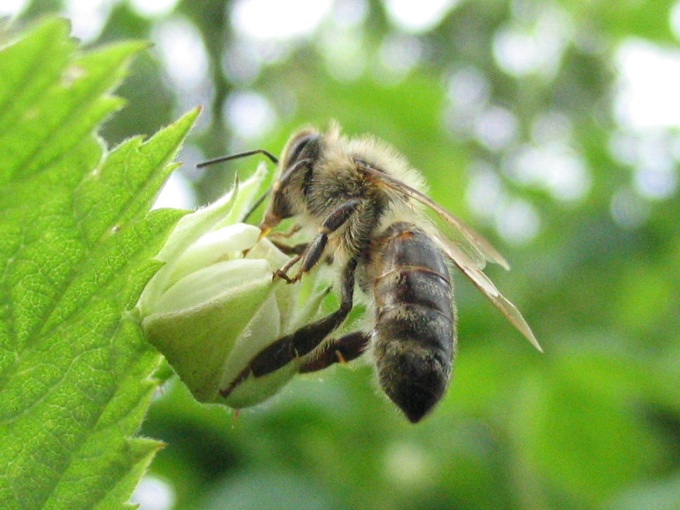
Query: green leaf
[75, 252]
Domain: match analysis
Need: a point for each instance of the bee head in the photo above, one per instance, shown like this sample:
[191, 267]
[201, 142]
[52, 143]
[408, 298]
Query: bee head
[297, 165]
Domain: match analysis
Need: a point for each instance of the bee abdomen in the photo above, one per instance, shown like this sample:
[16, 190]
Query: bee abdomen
[414, 332]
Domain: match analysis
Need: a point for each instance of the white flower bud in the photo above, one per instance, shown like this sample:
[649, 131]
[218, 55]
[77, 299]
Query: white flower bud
[210, 309]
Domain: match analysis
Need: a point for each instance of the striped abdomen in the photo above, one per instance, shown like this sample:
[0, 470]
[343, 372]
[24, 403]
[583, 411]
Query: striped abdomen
[414, 335]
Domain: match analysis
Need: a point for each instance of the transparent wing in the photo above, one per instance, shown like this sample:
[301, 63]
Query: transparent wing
[487, 287]
[451, 229]
[466, 248]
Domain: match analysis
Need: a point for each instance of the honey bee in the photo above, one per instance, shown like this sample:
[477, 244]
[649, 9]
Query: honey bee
[367, 210]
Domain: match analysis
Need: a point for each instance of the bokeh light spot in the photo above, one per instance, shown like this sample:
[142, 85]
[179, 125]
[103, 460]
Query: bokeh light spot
[273, 19]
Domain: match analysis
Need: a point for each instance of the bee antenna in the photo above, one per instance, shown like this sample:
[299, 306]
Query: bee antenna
[221, 159]
[257, 203]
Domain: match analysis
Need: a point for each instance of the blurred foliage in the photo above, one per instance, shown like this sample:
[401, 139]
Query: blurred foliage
[509, 109]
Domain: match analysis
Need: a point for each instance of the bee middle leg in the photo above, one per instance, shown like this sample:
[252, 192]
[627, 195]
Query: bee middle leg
[313, 251]
[300, 342]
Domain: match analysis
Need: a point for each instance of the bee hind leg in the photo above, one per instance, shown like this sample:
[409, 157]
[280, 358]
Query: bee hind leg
[340, 350]
[301, 342]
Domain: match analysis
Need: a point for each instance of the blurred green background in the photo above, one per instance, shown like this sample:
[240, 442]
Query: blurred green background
[552, 127]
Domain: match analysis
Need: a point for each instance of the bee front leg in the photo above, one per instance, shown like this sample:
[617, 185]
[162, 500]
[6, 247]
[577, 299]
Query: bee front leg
[313, 251]
[288, 233]
[296, 249]
[301, 342]
[283, 272]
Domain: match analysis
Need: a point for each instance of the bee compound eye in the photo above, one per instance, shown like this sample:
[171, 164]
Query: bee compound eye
[306, 147]
[280, 206]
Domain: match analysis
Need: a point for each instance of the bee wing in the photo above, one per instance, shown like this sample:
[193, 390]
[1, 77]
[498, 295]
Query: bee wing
[451, 230]
[467, 249]
[487, 287]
